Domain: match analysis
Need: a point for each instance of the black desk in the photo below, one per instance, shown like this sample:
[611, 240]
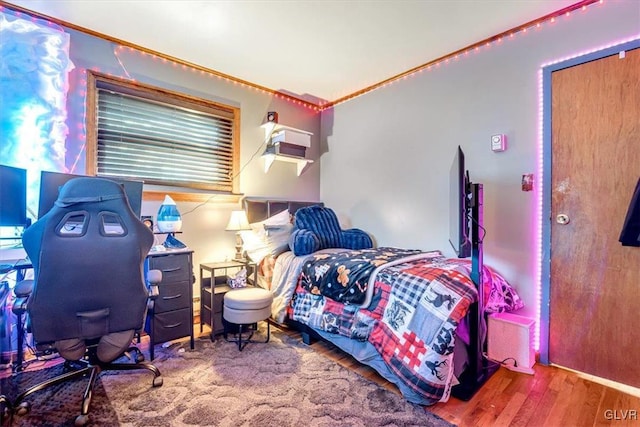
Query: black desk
[5, 328]
[17, 265]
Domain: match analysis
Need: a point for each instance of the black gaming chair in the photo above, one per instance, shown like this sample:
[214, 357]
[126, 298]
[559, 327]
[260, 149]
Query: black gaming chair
[89, 296]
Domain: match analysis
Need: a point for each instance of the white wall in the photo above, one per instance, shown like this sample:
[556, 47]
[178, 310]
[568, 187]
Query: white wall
[394, 146]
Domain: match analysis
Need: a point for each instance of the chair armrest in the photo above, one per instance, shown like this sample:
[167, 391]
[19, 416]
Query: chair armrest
[22, 291]
[154, 277]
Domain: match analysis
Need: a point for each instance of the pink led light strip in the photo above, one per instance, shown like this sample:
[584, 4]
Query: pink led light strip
[322, 105]
[475, 48]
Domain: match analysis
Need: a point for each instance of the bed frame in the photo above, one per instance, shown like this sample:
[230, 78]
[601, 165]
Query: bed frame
[480, 368]
[259, 209]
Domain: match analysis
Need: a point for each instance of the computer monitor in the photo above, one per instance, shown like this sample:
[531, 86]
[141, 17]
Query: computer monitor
[50, 183]
[13, 197]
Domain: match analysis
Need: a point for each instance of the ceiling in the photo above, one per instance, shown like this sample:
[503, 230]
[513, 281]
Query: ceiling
[316, 50]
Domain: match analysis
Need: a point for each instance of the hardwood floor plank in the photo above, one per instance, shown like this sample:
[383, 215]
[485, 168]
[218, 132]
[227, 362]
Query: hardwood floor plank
[508, 414]
[535, 388]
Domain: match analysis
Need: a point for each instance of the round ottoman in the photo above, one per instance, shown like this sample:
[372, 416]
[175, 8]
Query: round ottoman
[246, 307]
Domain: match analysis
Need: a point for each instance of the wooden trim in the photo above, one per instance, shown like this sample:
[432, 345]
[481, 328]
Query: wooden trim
[235, 178]
[183, 196]
[139, 48]
[159, 94]
[91, 126]
[509, 33]
[322, 105]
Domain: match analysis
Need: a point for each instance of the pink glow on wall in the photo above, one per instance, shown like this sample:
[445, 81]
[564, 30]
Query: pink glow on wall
[537, 280]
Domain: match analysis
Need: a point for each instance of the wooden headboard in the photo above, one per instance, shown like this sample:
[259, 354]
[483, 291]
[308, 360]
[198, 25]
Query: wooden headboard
[260, 209]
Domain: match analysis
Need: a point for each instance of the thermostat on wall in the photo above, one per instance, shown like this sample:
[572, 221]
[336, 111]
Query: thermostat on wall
[498, 142]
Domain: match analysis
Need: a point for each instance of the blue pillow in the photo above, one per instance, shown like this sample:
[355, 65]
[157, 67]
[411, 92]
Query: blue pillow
[317, 227]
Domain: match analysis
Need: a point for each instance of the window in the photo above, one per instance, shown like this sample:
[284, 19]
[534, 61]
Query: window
[160, 137]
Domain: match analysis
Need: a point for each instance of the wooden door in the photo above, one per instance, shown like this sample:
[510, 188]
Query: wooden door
[594, 302]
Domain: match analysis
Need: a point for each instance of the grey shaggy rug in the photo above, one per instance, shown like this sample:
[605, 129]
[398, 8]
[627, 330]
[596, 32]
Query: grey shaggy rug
[281, 383]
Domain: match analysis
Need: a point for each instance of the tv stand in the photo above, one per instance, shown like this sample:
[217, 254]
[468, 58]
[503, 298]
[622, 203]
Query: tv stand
[480, 369]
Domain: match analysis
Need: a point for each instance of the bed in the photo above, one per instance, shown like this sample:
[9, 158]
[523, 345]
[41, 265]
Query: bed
[415, 321]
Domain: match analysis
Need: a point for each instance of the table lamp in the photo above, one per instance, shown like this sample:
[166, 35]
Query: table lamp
[237, 222]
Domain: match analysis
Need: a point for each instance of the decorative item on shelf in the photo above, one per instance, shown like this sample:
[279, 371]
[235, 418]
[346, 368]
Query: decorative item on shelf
[272, 116]
[237, 222]
[239, 280]
[148, 221]
[169, 219]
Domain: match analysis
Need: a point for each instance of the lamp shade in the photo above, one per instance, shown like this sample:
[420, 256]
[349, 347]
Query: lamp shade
[238, 221]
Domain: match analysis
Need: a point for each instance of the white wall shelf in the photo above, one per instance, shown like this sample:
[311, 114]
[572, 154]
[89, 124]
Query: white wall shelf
[300, 162]
[269, 158]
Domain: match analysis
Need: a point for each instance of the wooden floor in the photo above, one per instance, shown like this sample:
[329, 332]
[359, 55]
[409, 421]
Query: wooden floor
[552, 397]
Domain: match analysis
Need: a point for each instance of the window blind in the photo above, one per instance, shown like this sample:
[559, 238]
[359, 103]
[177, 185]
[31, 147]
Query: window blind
[162, 143]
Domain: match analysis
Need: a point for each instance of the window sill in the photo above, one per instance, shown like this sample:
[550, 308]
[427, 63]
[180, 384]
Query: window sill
[189, 196]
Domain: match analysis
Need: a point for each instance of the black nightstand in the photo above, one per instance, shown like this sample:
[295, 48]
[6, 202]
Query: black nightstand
[213, 288]
[170, 315]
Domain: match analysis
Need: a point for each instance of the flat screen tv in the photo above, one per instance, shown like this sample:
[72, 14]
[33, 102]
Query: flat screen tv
[459, 206]
[13, 197]
[630, 234]
[50, 183]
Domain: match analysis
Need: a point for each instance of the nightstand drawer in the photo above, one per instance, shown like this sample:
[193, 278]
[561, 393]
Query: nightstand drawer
[218, 297]
[170, 325]
[172, 296]
[218, 326]
[174, 268]
[214, 287]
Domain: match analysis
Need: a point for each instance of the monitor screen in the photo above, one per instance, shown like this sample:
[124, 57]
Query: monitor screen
[458, 207]
[50, 183]
[13, 196]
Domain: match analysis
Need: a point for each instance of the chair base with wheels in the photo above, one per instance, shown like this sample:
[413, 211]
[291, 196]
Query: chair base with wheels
[90, 366]
[73, 307]
[245, 307]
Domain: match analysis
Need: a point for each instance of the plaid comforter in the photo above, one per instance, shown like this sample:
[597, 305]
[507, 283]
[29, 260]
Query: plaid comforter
[411, 319]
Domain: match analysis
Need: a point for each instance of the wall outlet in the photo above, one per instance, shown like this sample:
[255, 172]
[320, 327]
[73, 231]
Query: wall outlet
[498, 142]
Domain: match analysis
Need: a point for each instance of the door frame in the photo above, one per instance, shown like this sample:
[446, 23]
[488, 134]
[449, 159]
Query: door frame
[545, 171]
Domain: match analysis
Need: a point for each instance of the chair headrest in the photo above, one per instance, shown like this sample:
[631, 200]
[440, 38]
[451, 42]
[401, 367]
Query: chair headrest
[89, 190]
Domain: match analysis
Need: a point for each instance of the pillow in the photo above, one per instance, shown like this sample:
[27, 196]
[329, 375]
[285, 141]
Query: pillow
[254, 245]
[278, 238]
[265, 272]
[268, 237]
[281, 218]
